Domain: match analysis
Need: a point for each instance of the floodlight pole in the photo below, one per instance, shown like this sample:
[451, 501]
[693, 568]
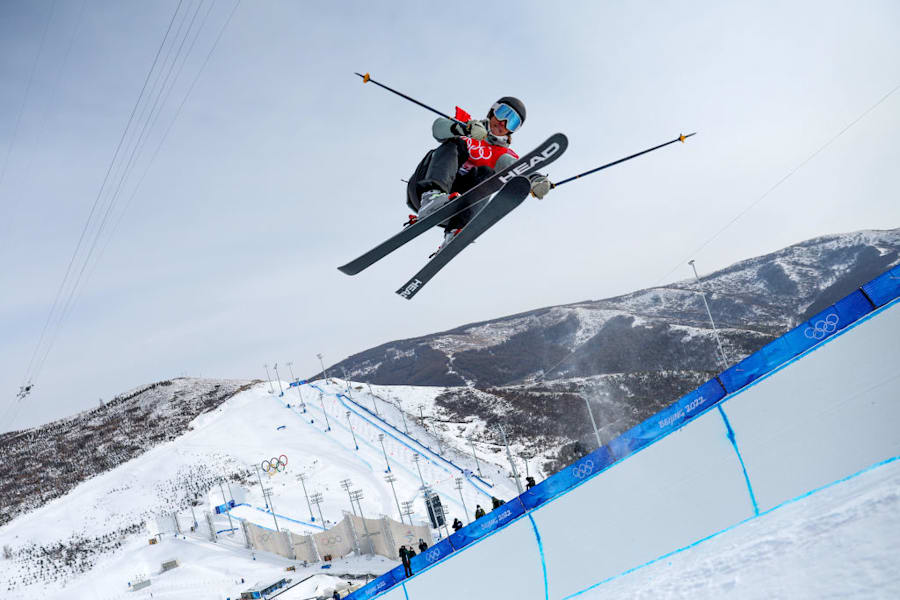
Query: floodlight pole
[317, 500]
[459, 486]
[391, 478]
[386, 463]
[408, 510]
[475, 456]
[322, 402]
[324, 372]
[593, 424]
[297, 381]
[510, 458]
[261, 486]
[403, 416]
[269, 378]
[278, 378]
[709, 312]
[302, 479]
[351, 430]
[374, 398]
[416, 459]
[346, 484]
[227, 508]
[272, 508]
[358, 495]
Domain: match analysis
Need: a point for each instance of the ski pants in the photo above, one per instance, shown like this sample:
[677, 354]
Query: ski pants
[440, 170]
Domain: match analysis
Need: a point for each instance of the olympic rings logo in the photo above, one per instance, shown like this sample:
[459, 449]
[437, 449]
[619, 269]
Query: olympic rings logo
[332, 540]
[433, 555]
[275, 465]
[584, 469]
[478, 151]
[822, 328]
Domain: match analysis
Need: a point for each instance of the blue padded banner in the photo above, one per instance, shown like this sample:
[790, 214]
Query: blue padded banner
[880, 291]
[373, 588]
[431, 555]
[885, 287]
[796, 341]
[668, 419]
[494, 520]
[568, 478]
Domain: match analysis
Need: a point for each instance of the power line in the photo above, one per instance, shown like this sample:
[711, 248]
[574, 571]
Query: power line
[15, 135]
[87, 224]
[73, 297]
[575, 350]
[778, 184]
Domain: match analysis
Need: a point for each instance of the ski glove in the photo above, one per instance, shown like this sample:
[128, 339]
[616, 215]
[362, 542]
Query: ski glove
[540, 185]
[477, 130]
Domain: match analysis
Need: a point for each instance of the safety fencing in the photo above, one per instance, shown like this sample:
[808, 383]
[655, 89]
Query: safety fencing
[353, 534]
[771, 465]
[406, 440]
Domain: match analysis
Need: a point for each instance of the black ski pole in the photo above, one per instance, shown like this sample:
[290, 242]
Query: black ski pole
[367, 79]
[680, 138]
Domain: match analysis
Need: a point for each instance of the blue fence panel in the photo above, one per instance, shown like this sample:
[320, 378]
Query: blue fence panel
[667, 419]
[382, 584]
[439, 551]
[846, 311]
[492, 521]
[568, 478]
[885, 287]
[798, 340]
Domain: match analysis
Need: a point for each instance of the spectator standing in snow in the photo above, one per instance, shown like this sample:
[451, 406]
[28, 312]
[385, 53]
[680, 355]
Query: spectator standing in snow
[479, 512]
[457, 525]
[422, 545]
[404, 558]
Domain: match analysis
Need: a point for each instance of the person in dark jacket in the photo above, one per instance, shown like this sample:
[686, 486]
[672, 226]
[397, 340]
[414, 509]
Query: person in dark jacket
[457, 525]
[336, 595]
[404, 558]
[422, 545]
[497, 502]
[479, 512]
[529, 483]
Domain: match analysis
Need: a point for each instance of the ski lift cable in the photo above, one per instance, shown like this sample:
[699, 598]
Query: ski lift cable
[50, 102]
[28, 86]
[94, 207]
[124, 173]
[72, 299]
[778, 184]
[128, 202]
[821, 148]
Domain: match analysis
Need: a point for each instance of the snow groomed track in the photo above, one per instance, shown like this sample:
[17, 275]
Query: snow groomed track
[813, 408]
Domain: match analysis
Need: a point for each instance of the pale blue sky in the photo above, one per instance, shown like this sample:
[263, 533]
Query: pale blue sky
[283, 165]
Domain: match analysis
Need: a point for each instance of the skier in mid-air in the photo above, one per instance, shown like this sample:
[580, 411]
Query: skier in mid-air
[468, 154]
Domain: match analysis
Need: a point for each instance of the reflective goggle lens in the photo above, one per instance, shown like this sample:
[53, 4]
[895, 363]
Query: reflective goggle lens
[505, 112]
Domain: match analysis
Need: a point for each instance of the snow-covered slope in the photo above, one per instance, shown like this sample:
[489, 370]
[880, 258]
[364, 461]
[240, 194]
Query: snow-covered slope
[664, 327]
[787, 487]
[628, 356]
[95, 537]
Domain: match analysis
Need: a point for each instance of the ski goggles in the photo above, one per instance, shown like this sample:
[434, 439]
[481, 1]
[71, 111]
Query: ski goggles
[504, 112]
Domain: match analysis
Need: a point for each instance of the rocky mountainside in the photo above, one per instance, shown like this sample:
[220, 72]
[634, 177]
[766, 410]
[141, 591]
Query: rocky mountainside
[628, 356]
[50, 460]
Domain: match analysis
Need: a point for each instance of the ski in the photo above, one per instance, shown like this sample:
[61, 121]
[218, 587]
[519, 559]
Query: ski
[541, 156]
[508, 198]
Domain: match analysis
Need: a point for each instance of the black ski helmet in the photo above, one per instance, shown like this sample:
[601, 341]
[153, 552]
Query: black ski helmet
[514, 103]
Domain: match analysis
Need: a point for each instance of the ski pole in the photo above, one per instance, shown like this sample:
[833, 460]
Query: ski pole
[680, 138]
[367, 79]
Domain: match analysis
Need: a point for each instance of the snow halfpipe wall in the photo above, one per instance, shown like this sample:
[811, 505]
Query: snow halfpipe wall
[816, 406]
